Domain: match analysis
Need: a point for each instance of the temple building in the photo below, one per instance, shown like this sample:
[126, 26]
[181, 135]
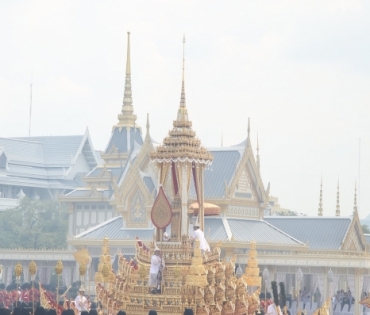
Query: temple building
[43, 167]
[320, 254]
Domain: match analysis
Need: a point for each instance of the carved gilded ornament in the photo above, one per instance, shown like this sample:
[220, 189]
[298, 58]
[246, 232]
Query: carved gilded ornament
[59, 267]
[18, 270]
[32, 268]
[137, 208]
[161, 214]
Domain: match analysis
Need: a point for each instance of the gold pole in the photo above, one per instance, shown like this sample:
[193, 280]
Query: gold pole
[105, 273]
[32, 268]
[90, 277]
[58, 271]
[18, 272]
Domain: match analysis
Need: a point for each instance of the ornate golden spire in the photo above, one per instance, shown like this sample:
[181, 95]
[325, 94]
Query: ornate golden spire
[126, 117]
[320, 214]
[337, 211]
[182, 144]
[182, 113]
[355, 201]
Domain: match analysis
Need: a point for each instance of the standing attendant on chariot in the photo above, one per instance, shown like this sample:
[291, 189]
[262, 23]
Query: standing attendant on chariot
[198, 234]
[155, 273]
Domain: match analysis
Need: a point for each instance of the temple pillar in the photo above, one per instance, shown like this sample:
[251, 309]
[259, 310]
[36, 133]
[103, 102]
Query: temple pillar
[201, 191]
[272, 273]
[327, 288]
[184, 199]
[358, 289]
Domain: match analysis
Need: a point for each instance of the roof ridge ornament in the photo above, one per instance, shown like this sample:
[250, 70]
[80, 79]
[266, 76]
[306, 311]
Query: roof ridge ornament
[355, 201]
[320, 212]
[337, 211]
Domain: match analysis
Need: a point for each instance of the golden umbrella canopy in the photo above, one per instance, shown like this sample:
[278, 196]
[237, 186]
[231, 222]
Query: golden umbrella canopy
[209, 208]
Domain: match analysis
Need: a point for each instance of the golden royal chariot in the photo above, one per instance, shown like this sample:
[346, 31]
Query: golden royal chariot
[204, 283]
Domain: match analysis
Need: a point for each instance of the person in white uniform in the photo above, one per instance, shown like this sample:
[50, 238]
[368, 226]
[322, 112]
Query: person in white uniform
[156, 267]
[273, 310]
[199, 235]
[81, 301]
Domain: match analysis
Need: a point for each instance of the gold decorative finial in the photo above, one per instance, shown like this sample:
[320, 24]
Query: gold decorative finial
[128, 61]
[59, 267]
[182, 100]
[355, 200]
[32, 268]
[82, 269]
[320, 212]
[337, 211]
[18, 270]
[147, 136]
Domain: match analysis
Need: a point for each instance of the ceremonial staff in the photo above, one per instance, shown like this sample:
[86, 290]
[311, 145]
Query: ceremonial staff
[18, 272]
[58, 271]
[283, 298]
[105, 273]
[32, 268]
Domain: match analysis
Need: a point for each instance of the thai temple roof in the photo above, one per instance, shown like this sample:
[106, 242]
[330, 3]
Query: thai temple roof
[318, 232]
[124, 138]
[48, 161]
[113, 229]
[216, 229]
[225, 161]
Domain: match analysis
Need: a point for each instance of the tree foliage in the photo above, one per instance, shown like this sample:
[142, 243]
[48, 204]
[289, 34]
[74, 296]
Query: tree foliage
[286, 213]
[34, 224]
[365, 229]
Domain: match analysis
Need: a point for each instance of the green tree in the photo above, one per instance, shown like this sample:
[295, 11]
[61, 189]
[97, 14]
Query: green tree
[365, 229]
[286, 213]
[36, 224]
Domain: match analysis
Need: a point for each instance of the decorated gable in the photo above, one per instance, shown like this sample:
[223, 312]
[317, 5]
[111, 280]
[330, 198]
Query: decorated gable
[354, 239]
[244, 188]
[137, 208]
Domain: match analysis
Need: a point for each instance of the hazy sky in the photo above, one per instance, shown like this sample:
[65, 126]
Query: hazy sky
[299, 69]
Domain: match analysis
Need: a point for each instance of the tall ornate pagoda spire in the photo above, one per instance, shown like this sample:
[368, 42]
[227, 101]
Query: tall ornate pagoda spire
[183, 156]
[249, 133]
[320, 211]
[355, 201]
[337, 211]
[127, 118]
[182, 113]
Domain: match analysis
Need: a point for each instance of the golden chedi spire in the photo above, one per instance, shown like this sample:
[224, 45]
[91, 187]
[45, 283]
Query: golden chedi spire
[181, 143]
[104, 273]
[198, 273]
[127, 118]
[252, 271]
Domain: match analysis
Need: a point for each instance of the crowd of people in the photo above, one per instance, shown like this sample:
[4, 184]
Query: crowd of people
[343, 298]
[42, 311]
[22, 295]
